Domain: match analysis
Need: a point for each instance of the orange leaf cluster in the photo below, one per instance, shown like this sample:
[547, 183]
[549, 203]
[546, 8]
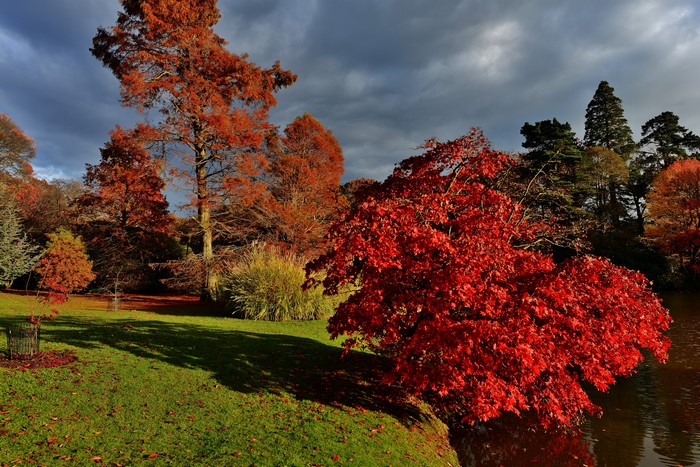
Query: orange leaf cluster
[674, 211]
[64, 267]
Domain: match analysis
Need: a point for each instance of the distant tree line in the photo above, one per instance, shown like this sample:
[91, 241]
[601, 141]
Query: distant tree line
[601, 188]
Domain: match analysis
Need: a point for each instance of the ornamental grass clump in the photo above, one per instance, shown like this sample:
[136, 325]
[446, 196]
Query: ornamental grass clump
[266, 284]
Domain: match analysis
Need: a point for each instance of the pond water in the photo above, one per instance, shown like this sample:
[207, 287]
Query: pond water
[649, 419]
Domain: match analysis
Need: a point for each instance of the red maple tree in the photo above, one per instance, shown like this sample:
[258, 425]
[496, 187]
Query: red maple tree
[448, 282]
[214, 103]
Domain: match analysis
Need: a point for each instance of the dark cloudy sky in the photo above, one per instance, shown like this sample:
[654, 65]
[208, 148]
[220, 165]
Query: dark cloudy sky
[383, 75]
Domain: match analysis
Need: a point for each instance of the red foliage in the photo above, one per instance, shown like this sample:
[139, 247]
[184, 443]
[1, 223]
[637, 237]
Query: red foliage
[674, 211]
[126, 185]
[63, 268]
[475, 319]
[50, 359]
[27, 192]
[289, 198]
[356, 190]
[125, 218]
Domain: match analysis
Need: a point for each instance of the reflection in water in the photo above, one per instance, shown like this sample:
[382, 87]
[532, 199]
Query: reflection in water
[509, 441]
[617, 438]
[649, 419]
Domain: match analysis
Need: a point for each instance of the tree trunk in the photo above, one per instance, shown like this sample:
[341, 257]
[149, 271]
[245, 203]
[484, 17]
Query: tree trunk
[210, 286]
[615, 207]
[640, 214]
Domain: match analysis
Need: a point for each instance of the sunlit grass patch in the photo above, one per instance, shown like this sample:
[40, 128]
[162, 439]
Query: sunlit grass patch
[181, 390]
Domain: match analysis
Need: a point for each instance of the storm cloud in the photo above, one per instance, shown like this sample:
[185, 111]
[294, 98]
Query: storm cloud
[383, 75]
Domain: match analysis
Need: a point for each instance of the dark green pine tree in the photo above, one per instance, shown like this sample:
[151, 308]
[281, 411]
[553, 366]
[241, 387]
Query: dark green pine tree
[665, 141]
[552, 165]
[606, 125]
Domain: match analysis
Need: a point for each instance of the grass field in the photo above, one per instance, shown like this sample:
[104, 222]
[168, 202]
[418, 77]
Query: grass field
[162, 383]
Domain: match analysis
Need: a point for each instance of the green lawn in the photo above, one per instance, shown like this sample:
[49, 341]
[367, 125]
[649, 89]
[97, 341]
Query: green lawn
[160, 384]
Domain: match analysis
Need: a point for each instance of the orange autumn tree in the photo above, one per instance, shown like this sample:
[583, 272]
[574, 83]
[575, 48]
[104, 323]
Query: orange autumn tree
[305, 182]
[674, 212]
[64, 268]
[295, 192]
[17, 179]
[214, 103]
[16, 150]
[125, 217]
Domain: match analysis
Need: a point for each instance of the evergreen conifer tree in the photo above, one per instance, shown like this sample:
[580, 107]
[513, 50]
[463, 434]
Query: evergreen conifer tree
[17, 255]
[552, 159]
[606, 125]
[665, 141]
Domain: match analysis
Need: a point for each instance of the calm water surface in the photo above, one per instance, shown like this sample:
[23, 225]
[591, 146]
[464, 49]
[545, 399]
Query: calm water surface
[649, 419]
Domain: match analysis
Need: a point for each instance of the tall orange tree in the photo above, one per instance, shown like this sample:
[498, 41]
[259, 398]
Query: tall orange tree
[214, 103]
[674, 212]
[16, 150]
[293, 195]
[305, 173]
[125, 217]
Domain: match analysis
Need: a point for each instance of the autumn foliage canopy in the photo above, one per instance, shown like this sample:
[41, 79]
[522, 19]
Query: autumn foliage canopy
[448, 283]
[16, 149]
[674, 210]
[214, 103]
[126, 187]
[306, 170]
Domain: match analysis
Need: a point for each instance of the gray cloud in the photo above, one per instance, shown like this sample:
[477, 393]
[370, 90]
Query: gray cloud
[382, 75]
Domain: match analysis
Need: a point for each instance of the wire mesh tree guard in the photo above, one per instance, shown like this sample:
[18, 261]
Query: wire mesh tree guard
[23, 340]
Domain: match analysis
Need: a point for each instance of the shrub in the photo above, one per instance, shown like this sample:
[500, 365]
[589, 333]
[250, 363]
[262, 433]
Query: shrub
[266, 284]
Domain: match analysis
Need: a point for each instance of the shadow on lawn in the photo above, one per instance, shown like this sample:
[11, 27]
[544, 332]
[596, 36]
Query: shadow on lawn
[251, 362]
